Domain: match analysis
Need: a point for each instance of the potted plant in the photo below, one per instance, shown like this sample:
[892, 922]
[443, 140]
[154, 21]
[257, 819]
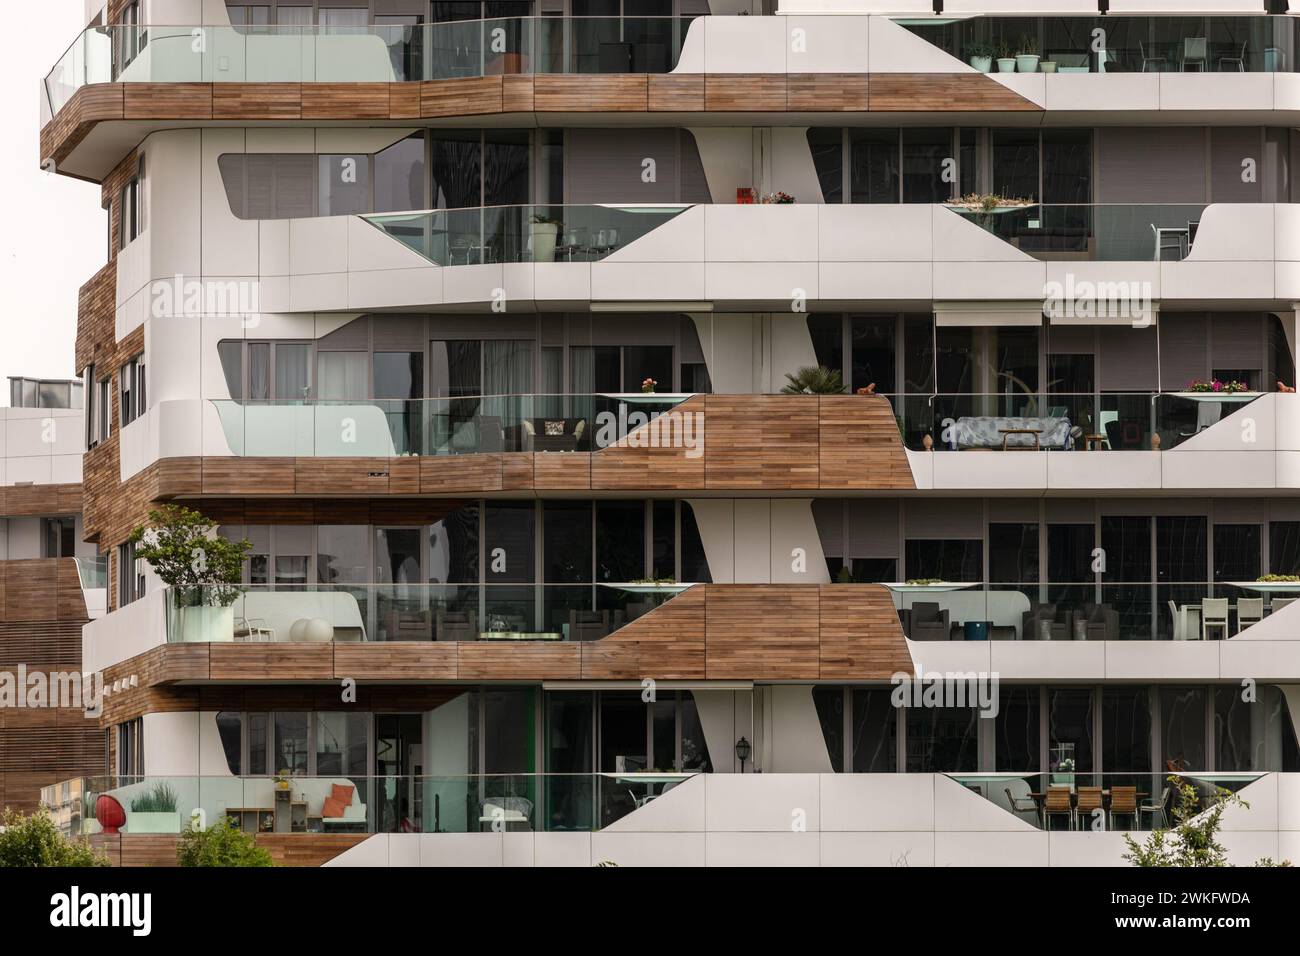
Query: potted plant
[1047, 66]
[813, 380]
[980, 55]
[201, 570]
[1006, 61]
[154, 812]
[545, 232]
[1215, 385]
[649, 386]
[1026, 58]
[777, 198]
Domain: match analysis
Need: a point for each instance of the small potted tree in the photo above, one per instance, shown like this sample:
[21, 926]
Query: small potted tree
[980, 55]
[545, 232]
[1026, 55]
[1006, 61]
[201, 569]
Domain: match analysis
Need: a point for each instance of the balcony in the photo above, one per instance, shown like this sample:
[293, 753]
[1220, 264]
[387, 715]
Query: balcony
[1097, 611]
[363, 613]
[1101, 233]
[1117, 43]
[508, 234]
[484, 445]
[486, 803]
[1097, 802]
[501, 632]
[371, 54]
[1023, 421]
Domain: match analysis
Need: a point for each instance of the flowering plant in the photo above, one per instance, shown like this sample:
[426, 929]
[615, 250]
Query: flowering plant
[778, 198]
[649, 385]
[1215, 385]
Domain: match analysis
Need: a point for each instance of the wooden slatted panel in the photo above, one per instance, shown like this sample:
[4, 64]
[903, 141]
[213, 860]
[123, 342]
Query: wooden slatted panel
[666, 643]
[762, 632]
[578, 94]
[404, 100]
[861, 638]
[674, 93]
[744, 92]
[634, 463]
[26, 500]
[517, 471]
[41, 644]
[428, 660]
[761, 442]
[463, 97]
[859, 444]
[31, 590]
[147, 101]
[349, 476]
[516, 94]
[942, 93]
[272, 662]
[233, 476]
[826, 92]
[460, 474]
[256, 101]
[518, 660]
[562, 472]
[307, 849]
[345, 101]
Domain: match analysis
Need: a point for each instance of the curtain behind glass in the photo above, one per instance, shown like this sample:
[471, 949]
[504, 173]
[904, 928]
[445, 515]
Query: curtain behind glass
[342, 376]
[292, 372]
[508, 367]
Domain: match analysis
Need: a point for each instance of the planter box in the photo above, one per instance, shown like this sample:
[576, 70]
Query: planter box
[153, 822]
[206, 625]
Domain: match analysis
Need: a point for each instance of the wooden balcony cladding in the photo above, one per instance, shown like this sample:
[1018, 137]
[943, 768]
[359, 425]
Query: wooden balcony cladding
[286, 849]
[741, 443]
[41, 590]
[523, 93]
[709, 632]
[17, 501]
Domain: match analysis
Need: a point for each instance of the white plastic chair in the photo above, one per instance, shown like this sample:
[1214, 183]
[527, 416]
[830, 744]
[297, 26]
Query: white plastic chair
[1214, 614]
[1249, 611]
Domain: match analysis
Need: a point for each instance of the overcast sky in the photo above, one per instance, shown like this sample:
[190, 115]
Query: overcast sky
[53, 236]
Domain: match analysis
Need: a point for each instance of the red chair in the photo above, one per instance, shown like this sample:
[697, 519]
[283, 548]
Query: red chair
[109, 813]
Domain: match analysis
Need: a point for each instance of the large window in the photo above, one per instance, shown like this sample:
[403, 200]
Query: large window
[132, 400]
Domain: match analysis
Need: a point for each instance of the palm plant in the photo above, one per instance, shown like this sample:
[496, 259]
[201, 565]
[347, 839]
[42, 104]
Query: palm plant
[813, 380]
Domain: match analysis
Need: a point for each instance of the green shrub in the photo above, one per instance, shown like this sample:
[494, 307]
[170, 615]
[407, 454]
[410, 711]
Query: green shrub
[161, 799]
[35, 841]
[222, 844]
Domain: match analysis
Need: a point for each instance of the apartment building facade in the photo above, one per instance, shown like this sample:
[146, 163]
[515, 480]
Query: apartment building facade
[52, 586]
[475, 320]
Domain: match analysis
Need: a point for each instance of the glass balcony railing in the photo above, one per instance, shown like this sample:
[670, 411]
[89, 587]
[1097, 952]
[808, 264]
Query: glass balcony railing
[1078, 232]
[93, 572]
[451, 426]
[376, 53]
[1116, 43]
[375, 804]
[1100, 610]
[1028, 421]
[499, 234]
[361, 613]
[1069, 799]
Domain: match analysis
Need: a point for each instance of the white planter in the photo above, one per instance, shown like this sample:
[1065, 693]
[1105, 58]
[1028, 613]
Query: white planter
[982, 63]
[1006, 64]
[544, 236]
[153, 822]
[206, 625]
[1047, 66]
[1027, 62]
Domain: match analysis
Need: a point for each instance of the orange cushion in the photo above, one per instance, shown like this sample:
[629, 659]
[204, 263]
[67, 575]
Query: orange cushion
[342, 793]
[331, 808]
